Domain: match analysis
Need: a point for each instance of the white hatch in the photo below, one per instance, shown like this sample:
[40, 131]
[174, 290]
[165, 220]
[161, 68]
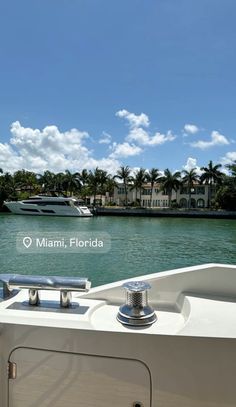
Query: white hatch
[59, 379]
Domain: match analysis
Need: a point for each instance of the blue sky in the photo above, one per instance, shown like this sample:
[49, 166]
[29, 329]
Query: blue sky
[141, 83]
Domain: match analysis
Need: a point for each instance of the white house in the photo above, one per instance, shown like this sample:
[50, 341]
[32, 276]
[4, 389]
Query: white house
[199, 196]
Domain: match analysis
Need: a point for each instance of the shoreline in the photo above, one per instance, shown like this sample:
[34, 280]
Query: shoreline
[172, 213]
[161, 213]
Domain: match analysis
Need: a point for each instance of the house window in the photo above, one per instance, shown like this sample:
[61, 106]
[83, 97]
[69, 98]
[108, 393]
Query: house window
[184, 190]
[201, 190]
[146, 191]
[121, 191]
[200, 203]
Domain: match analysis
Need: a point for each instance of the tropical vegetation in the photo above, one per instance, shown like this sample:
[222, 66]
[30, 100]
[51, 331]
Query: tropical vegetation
[170, 181]
[211, 176]
[190, 178]
[97, 183]
[124, 174]
[152, 177]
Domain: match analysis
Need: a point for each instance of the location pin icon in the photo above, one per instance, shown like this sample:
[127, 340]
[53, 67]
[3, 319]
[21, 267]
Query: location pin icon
[27, 242]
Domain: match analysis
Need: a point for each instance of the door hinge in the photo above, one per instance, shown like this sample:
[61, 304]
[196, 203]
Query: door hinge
[12, 370]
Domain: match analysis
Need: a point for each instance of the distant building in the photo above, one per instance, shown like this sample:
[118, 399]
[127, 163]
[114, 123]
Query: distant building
[159, 198]
[199, 196]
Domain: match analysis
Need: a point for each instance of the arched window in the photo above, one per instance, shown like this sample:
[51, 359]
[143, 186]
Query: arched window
[200, 203]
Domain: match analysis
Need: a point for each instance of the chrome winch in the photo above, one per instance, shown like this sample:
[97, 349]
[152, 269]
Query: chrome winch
[136, 311]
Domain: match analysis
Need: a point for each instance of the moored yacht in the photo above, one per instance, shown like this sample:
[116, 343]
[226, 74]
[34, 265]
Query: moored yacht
[48, 205]
[174, 347]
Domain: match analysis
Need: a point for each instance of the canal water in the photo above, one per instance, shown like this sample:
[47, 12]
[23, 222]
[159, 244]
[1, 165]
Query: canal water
[138, 246]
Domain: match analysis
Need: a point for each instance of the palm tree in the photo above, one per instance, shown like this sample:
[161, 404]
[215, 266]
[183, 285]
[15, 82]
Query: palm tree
[84, 179]
[170, 181]
[71, 182]
[96, 182]
[190, 177]
[26, 180]
[59, 180]
[83, 176]
[7, 187]
[47, 181]
[232, 168]
[124, 174]
[152, 176]
[103, 176]
[110, 185]
[211, 175]
[138, 181]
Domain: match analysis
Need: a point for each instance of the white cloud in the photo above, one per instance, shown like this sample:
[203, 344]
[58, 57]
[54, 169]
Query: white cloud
[9, 159]
[105, 138]
[124, 150]
[229, 158]
[159, 138]
[217, 139]
[49, 149]
[140, 136]
[133, 119]
[133, 171]
[48, 141]
[192, 163]
[109, 164]
[191, 128]
[143, 138]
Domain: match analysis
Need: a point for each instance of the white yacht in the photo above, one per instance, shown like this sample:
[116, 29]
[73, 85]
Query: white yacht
[48, 205]
[173, 347]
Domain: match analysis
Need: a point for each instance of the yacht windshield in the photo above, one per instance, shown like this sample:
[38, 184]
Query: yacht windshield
[79, 203]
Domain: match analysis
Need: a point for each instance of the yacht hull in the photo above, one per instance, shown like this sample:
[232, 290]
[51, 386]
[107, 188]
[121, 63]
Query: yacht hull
[30, 209]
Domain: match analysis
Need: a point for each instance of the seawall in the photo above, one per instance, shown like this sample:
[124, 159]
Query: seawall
[165, 213]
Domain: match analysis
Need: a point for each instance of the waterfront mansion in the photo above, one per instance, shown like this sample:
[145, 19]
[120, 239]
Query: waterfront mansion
[199, 196]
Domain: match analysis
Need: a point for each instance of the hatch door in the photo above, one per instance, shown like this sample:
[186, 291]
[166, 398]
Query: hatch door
[47, 378]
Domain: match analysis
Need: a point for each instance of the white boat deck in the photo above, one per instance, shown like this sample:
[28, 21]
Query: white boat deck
[187, 358]
[189, 313]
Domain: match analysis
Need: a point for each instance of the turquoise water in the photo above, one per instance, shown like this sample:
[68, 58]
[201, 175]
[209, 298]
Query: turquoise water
[138, 246]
